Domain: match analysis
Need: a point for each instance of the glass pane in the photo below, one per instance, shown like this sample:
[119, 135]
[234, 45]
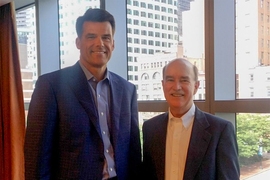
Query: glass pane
[26, 29]
[69, 11]
[254, 145]
[252, 49]
[159, 31]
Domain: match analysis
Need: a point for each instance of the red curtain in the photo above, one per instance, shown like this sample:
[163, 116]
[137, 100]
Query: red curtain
[12, 115]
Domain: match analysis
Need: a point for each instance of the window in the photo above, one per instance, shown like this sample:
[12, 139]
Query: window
[164, 18]
[136, 31]
[164, 44]
[130, 68]
[143, 32]
[150, 33]
[144, 51]
[143, 5]
[163, 9]
[157, 16]
[136, 13]
[145, 76]
[164, 27]
[143, 23]
[137, 50]
[135, 3]
[129, 11]
[249, 72]
[136, 22]
[129, 21]
[164, 35]
[130, 49]
[130, 59]
[137, 41]
[26, 33]
[143, 14]
[130, 77]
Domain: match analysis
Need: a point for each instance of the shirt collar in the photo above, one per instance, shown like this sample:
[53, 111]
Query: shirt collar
[186, 118]
[89, 75]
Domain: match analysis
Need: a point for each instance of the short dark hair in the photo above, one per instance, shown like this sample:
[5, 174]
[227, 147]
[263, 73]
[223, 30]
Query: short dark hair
[195, 69]
[94, 15]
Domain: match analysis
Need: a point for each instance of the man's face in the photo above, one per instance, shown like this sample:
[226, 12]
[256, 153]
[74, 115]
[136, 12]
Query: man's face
[95, 44]
[179, 86]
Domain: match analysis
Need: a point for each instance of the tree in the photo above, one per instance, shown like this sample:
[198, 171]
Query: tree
[250, 129]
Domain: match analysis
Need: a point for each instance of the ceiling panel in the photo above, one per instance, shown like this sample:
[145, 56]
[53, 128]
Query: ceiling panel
[22, 3]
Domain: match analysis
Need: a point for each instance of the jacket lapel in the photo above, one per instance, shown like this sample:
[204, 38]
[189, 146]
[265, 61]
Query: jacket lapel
[199, 141]
[162, 144]
[78, 83]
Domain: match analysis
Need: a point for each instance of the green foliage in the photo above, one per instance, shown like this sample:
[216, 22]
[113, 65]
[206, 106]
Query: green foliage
[250, 128]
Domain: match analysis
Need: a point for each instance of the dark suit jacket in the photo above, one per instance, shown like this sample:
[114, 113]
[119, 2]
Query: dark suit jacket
[212, 152]
[63, 138]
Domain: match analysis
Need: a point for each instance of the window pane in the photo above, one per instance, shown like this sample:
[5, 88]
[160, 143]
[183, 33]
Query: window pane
[169, 34]
[144, 116]
[254, 145]
[252, 49]
[26, 29]
[69, 11]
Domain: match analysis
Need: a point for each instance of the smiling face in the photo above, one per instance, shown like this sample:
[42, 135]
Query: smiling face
[179, 86]
[95, 44]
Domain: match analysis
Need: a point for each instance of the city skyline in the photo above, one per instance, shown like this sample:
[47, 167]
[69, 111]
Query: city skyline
[151, 31]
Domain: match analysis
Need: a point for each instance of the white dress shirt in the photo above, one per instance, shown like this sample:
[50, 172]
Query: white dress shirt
[177, 142]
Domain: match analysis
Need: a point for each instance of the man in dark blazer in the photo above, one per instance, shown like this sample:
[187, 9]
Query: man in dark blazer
[204, 148]
[83, 120]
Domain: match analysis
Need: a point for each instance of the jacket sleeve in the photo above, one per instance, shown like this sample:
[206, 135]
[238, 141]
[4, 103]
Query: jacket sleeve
[40, 132]
[227, 155]
[135, 143]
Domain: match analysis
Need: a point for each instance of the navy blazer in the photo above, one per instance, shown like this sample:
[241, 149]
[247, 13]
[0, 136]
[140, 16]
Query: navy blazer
[63, 138]
[212, 152]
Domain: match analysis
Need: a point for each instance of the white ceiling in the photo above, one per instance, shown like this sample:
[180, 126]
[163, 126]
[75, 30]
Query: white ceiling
[18, 3]
[22, 3]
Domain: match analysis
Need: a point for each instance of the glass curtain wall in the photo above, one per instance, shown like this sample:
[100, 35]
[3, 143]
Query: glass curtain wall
[158, 32]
